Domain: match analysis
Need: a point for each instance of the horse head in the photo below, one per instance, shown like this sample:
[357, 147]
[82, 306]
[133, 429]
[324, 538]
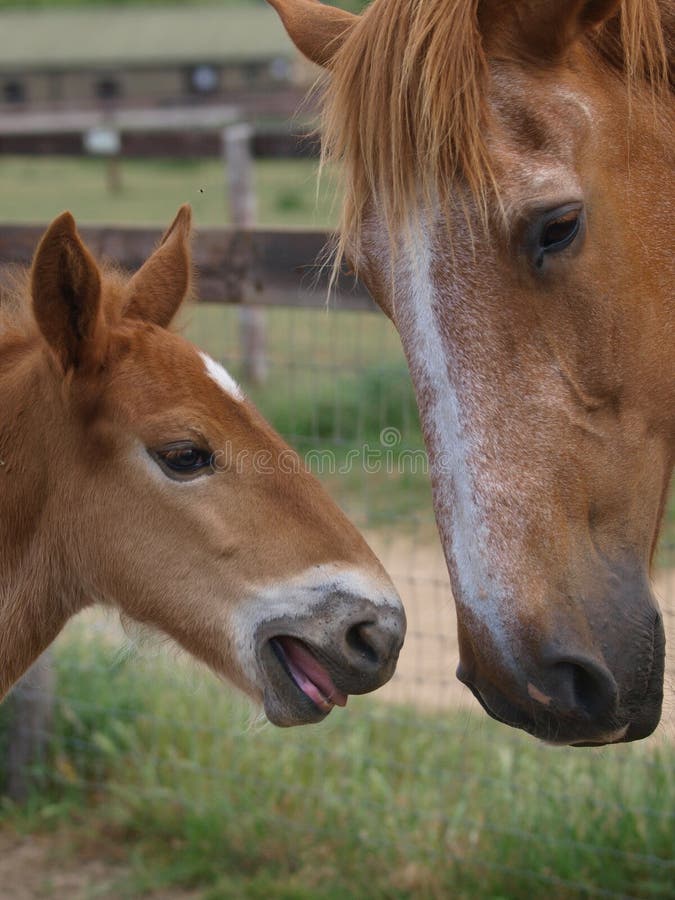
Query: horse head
[136, 474]
[508, 192]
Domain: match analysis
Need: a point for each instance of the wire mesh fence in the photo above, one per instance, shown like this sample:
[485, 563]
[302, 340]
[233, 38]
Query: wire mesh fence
[411, 792]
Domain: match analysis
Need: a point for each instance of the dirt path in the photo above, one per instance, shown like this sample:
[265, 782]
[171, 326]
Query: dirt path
[32, 868]
[43, 867]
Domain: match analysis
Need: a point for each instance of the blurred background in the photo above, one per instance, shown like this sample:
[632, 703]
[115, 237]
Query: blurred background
[125, 769]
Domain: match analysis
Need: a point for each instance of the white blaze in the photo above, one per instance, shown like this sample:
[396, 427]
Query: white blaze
[221, 377]
[453, 448]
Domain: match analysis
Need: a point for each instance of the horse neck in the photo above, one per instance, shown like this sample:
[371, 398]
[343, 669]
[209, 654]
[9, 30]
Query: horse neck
[32, 587]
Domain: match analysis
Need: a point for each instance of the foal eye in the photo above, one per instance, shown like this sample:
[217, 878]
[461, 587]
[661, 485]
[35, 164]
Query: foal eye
[555, 231]
[183, 461]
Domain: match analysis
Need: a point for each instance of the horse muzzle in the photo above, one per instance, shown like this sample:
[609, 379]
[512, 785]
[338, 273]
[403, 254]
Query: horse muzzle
[576, 698]
[310, 665]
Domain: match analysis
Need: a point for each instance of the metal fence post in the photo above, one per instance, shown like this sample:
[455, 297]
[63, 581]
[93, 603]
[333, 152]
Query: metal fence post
[31, 712]
[241, 195]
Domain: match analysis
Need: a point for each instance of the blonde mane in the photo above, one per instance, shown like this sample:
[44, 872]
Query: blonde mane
[404, 107]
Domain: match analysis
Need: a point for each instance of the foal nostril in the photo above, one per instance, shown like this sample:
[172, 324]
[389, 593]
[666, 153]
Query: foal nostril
[374, 643]
[582, 686]
[357, 639]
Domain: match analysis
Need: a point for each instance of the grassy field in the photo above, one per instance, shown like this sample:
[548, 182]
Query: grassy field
[161, 766]
[35, 189]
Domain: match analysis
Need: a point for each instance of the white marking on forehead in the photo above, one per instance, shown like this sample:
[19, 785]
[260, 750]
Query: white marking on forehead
[221, 377]
[455, 497]
[299, 597]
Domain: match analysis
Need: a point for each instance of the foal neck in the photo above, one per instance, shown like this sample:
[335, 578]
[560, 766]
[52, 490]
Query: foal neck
[31, 616]
[35, 600]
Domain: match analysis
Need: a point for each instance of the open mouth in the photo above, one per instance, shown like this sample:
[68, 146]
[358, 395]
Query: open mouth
[307, 673]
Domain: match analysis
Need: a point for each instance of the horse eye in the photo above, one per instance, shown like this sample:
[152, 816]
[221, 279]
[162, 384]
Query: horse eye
[555, 231]
[183, 461]
[560, 232]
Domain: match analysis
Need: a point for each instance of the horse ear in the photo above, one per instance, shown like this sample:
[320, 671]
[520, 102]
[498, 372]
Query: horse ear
[316, 29]
[163, 281]
[543, 29]
[66, 292]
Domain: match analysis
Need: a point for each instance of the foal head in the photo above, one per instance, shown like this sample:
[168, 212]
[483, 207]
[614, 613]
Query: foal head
[508, 177]
[154, 486]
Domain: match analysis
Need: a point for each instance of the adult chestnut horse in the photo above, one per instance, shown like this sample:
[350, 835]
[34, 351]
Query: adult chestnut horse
[508, 177]
[133, 472]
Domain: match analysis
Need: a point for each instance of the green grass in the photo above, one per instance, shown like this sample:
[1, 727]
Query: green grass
[35, 189]
[376, 802]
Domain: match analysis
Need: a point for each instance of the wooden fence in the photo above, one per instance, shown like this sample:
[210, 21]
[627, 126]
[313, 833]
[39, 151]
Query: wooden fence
[174, 132]
[260, 267]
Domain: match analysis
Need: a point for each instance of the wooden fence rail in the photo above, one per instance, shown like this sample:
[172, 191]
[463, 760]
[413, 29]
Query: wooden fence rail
[273, 143]
[262, 267]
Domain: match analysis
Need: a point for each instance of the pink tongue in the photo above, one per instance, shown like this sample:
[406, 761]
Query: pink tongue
[310, 676]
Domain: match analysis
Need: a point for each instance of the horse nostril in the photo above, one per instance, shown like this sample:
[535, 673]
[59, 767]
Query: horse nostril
[359, 638]
[374, 642]
[583, 686]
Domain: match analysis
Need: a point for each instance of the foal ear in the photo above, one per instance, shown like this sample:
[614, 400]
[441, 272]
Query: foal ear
[317, 30]
[66, 292]
[544, 29]
[162, 283]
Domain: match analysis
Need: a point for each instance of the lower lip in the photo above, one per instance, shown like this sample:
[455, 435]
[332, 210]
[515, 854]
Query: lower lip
[304, 683]
[613, 737]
